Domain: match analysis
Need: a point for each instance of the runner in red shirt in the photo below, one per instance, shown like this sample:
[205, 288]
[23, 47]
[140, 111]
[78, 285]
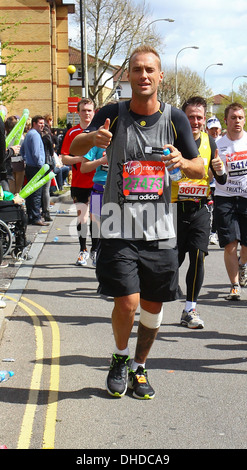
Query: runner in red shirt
[81, 184]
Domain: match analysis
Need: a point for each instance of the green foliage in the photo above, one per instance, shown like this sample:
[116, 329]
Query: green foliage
[236, 98]
[15, 72]
[243, 92]
[189, 83]
[62, 122]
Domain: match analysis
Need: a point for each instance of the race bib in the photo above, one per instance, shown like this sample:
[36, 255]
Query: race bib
[193, 191]
[237, 163]
[143, 180]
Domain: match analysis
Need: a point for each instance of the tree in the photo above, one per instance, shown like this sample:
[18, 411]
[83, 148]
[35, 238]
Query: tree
[113, 30]
[236, 98]
[8, 90]
[189, 84]
[242, 90]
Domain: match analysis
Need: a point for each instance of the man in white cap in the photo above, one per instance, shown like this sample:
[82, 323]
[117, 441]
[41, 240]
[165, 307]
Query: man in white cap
[214, 127]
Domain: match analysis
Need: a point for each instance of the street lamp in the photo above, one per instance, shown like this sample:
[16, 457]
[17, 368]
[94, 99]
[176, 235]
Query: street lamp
[169, 20]
[239, 76]
[176, 69]
[211, 65]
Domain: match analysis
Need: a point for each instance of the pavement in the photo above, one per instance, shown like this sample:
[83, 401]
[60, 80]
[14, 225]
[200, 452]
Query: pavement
[10, 267]
[199, 375]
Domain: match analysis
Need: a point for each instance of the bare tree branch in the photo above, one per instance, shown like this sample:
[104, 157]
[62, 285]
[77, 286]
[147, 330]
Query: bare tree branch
[114, 28]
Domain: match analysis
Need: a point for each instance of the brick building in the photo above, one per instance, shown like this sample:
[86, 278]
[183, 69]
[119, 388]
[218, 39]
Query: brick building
[43, 37]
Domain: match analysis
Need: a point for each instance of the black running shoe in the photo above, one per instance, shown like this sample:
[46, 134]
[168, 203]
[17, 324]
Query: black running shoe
[138, 381]
[116, 382]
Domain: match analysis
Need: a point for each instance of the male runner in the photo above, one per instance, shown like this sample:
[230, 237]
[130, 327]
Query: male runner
[133, 266]
[194, 205]
[231, 199]
[81, 185]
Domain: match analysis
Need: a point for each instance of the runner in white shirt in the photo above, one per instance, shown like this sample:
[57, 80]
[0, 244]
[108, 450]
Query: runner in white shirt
[231, 199]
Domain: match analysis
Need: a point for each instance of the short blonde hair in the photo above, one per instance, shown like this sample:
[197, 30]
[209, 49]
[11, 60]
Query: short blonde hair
[145, 49]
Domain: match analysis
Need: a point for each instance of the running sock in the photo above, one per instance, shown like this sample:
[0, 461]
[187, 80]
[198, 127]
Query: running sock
[189, 306]
[122, 352]
[135, 365]
[125, 352]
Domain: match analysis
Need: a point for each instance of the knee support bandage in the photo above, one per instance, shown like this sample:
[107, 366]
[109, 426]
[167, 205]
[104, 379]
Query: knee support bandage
[151, 320]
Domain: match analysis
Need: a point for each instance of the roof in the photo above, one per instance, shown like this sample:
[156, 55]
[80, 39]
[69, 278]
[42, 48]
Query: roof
[124, 77]
[75, 57]
[218, 99]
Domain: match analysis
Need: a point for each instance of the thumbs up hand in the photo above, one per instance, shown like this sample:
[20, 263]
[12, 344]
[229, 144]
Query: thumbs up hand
[217, 164]
[106, 126]
[103, 136]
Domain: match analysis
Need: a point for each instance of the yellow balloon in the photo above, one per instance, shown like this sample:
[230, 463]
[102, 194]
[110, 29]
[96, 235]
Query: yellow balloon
[71, 69]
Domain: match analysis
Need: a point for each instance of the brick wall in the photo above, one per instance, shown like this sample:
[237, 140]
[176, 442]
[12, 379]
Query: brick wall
[43, 36]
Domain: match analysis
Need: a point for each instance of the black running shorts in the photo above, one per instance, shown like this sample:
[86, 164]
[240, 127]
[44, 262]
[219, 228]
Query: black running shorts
[126, 267]
[231, 219]
[80, 194]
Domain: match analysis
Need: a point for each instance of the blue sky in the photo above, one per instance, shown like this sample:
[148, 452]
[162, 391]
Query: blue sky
[217, 27]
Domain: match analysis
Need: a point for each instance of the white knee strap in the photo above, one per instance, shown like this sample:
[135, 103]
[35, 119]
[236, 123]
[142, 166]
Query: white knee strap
[151, 320]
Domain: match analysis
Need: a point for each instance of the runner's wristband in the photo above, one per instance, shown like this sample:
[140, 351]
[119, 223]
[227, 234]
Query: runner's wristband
[222, 171]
